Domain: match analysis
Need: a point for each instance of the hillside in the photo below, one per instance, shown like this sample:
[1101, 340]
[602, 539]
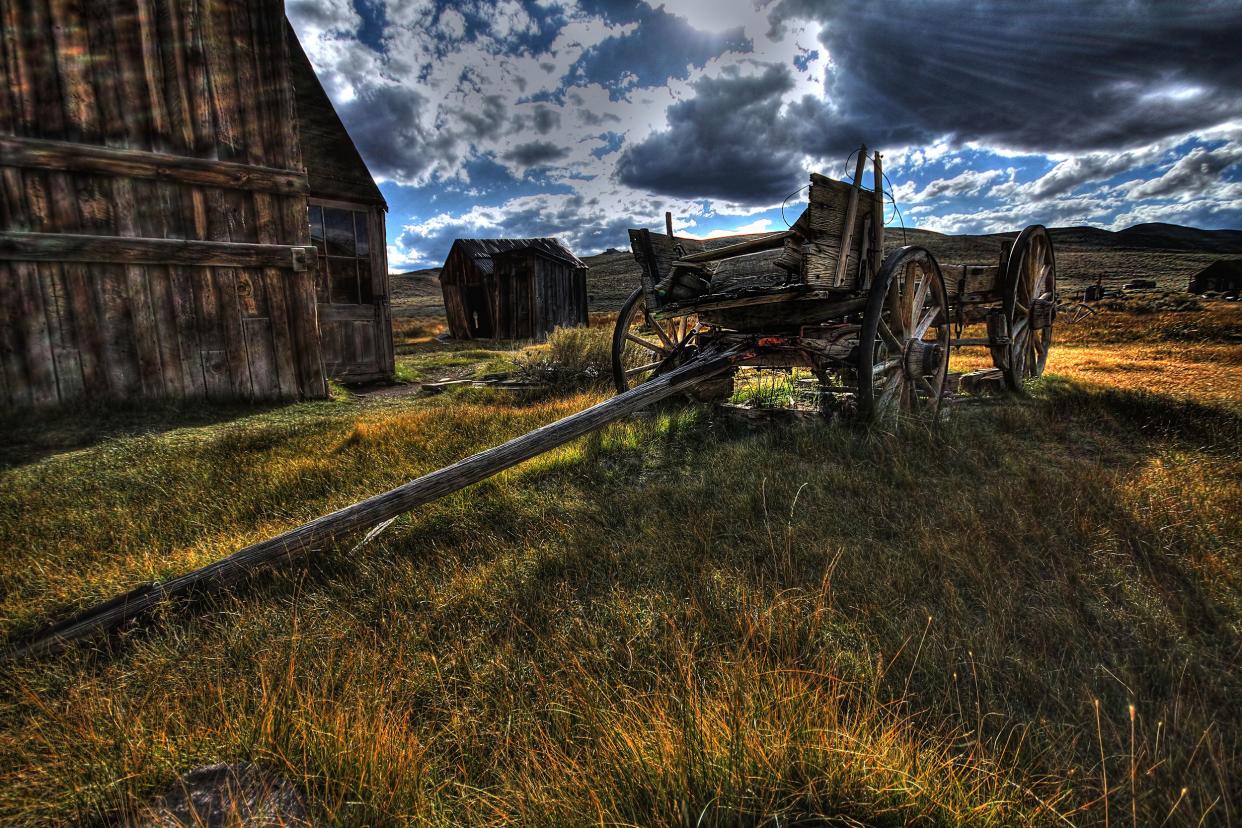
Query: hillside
[1168, 253]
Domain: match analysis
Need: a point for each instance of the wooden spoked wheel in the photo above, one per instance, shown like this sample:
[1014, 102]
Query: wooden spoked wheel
[1030, 303]
[903, 347]
[643, 346]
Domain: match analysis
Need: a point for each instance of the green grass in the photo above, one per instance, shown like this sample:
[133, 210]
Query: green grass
[666, 623]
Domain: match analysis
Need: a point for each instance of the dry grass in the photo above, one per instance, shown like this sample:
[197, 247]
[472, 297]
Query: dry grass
[1188, 355]
[666, 623]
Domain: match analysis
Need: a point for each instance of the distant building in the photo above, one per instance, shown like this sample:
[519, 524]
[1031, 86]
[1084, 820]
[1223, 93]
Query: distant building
[512, 288]
[1224, 276]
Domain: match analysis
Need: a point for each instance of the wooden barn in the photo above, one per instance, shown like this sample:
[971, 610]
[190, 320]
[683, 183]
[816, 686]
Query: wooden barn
[1223, 276]
[182, 214]
[512, 288]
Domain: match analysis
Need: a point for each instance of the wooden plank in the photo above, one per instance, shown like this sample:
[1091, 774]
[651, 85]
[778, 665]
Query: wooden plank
[851, 215]
[71, 211]
[141, 310]
[73, 247]
[373, 511]
[130, 163]
[768, 242]
[235, 81]
[12, 363]
[228, 304]
[380, 289]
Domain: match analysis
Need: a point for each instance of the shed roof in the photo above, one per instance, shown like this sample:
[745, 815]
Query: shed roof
[334, 169]
[1223, 267]
[483, 250]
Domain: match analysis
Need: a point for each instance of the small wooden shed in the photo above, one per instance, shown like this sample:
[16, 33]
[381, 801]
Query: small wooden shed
[182, 214]
[512, 288]
[1223, 276]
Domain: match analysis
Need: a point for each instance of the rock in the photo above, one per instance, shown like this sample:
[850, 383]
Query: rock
[243, 794]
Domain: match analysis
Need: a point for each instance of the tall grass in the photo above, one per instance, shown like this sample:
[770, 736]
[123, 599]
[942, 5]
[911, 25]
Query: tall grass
[1030, 615]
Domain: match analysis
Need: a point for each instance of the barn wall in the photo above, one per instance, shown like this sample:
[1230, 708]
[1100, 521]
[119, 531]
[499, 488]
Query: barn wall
[204, 80]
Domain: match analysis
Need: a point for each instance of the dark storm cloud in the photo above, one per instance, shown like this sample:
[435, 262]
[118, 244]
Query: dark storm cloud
[535, 153]
[1059, 76]
[384, 123]
[728, 141]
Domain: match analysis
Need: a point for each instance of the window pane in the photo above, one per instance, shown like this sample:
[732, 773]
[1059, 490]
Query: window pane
[360, 233]
[344, 276]
[321, 281]
[315, 219]
[364, 281]
[339, 230]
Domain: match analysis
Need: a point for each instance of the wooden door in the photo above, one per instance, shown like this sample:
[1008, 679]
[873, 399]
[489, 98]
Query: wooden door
[355, 327]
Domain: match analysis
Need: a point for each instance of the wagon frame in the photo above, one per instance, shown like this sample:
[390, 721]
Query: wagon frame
[876, 331]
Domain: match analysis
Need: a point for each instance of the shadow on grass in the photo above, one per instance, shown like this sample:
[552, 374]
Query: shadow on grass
[26, 436]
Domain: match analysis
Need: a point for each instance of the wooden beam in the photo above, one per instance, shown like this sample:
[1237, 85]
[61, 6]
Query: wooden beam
[69, 247]
[375, 510]
[851, 213]
[768, 242]
[877, 220]
[35, 153]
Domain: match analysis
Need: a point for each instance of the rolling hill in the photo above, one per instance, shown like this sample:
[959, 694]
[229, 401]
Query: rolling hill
[1168, 253]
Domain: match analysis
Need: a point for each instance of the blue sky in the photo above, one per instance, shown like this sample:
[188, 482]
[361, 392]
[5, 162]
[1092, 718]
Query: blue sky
[581, 118]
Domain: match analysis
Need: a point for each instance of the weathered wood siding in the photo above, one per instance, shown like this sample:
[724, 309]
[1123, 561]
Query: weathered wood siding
[145, 97]
[824, 221]
[527, 294]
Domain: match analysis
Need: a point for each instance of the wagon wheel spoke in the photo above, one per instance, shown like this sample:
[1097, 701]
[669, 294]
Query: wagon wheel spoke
[889, 395]
[926, 386]
[654, 323]
[642, 368]
[886, 367]
[929, 316]
[896, 310]
[651, 346]
[887, 335]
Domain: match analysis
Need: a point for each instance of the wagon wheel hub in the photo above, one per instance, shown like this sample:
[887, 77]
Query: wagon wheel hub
[921, 359]
[1043, 312]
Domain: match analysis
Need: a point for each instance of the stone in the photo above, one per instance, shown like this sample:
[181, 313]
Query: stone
[243, 794]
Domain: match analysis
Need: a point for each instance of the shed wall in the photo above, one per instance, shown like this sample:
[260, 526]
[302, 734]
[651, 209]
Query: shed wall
[205, 80]
[527, 294]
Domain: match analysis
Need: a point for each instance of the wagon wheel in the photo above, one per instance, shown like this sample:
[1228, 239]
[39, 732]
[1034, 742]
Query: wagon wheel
[1030, 303]
[643, 346]
[903, 352]
[1074, 312]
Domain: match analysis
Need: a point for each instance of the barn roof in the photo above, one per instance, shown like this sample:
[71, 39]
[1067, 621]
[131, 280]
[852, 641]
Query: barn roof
[334, 169]
[483, 250]
[1222, 267]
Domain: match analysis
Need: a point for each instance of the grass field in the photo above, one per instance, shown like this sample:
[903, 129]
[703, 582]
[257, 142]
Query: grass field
[1029, 614]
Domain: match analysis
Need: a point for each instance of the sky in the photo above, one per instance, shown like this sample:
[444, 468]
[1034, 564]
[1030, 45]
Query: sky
[582, 118]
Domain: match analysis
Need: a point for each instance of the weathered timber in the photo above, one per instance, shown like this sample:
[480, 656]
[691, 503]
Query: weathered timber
[72, 247]
[379, 508]
[768, 242]
[85, 158]
[851, 215]
[877, 220]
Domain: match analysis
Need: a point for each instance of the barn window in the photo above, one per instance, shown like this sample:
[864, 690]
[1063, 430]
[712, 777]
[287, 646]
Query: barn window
[344, 245]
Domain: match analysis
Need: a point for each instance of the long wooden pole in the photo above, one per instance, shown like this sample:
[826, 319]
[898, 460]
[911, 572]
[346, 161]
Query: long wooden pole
[851, 212]
[379, 508]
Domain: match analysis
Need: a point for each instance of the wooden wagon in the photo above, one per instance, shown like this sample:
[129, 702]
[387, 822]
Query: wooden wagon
[876, 331]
